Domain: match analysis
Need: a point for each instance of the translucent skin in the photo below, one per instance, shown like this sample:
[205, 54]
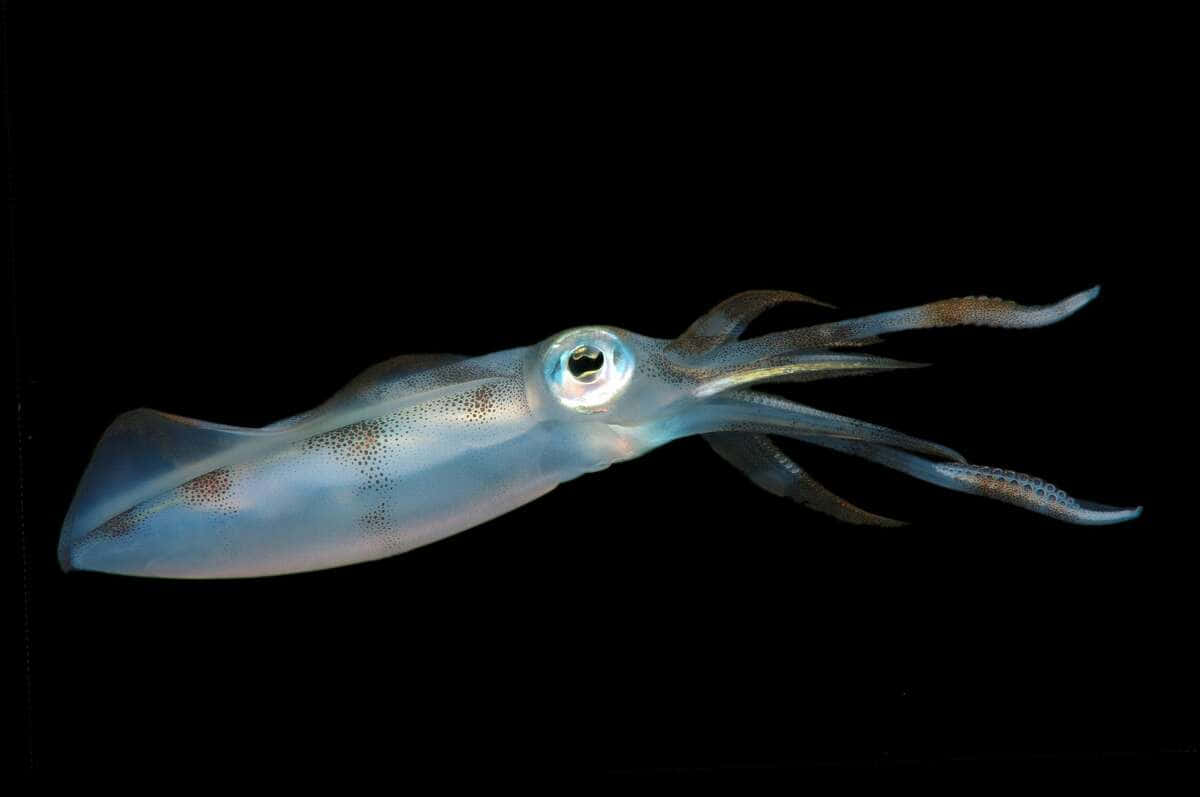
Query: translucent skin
[348, 485]
[424, 446]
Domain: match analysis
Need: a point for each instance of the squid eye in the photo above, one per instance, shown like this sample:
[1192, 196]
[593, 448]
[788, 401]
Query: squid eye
[587, 368]
[585, 363]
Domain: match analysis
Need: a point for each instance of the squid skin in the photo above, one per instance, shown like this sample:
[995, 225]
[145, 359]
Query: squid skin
[424, 446]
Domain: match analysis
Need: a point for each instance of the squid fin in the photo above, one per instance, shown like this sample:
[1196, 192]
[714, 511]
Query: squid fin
[378, 381]
[145, 452]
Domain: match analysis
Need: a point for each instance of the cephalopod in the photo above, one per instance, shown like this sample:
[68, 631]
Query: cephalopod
[423, 446]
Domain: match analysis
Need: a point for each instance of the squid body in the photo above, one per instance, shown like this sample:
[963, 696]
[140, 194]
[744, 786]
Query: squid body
[423, 446]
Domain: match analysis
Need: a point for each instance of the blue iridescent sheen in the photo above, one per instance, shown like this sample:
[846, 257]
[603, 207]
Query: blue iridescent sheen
[423, 446]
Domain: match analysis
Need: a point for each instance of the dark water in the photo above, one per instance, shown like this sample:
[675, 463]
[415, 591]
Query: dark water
[228, 220]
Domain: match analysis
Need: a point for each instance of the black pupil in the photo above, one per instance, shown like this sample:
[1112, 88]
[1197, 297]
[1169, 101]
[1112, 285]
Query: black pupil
[585, 362]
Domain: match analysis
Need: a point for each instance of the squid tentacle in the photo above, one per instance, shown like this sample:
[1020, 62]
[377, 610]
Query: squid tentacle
[794, 368]
[780, 357]
[755, 454]
[1008, 486]
[730, 318]
[760, 414]
[748, 411]
[770, 468]
[969, 311]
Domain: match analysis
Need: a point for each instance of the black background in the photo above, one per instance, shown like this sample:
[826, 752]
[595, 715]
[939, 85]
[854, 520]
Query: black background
[227, 218]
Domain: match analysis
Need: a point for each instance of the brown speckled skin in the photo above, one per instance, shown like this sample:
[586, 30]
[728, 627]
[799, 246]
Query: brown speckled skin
[424, 446]
[358, 478]
[981, 310]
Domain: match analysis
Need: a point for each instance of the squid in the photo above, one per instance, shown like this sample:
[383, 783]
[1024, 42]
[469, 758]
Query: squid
[424, 446]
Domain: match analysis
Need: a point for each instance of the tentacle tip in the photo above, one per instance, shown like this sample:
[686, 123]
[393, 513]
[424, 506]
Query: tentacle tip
[1126, 515]
[1072, 304]
[1082, 298]
[1101, 515]
[800, 297]
[820, 303]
